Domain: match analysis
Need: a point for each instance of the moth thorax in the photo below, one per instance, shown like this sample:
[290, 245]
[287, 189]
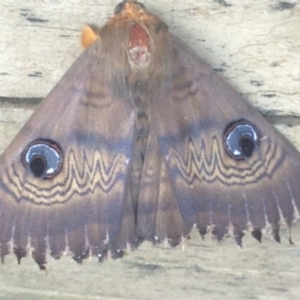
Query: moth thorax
[138, 47]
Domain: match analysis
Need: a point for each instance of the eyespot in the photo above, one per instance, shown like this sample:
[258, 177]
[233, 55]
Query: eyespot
[43, 158]
[241, 138]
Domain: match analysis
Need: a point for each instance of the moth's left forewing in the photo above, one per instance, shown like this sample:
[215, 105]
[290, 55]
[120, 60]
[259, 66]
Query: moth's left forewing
[229, 170]
[85, 131]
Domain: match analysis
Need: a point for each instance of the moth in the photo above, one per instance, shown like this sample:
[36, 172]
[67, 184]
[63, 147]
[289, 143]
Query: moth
[141, 140]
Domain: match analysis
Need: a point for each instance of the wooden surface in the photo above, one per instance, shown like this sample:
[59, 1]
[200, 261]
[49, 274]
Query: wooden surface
[255, 45]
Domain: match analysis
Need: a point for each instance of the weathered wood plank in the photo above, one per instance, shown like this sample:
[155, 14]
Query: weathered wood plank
[255, 45]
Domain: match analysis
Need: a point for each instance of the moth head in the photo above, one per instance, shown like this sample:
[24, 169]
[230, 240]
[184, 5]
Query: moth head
[43, 158]
[241, 138]
[133, 4]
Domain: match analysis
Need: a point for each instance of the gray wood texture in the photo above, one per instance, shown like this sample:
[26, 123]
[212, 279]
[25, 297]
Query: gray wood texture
[255, 45]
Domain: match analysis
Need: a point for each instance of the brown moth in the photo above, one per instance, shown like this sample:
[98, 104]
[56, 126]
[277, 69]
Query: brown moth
[141, 139]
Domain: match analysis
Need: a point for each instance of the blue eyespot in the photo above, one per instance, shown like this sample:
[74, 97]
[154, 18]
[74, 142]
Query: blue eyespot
[43, 158]
[241, 139]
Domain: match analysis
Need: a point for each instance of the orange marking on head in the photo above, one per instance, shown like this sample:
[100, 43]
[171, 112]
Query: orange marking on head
[133, 11]
[88, 36]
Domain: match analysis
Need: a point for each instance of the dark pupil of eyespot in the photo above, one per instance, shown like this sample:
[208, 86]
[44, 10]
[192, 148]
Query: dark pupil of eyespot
[247, 145]
[38, 166]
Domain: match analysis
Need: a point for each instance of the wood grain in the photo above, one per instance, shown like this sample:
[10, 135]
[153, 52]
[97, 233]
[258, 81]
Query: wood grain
[255, 45]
